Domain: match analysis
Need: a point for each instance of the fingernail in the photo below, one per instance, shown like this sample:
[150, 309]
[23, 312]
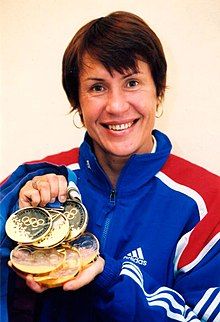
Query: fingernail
[67, 287]
[53, 200]
[29, 277]
[62, 198]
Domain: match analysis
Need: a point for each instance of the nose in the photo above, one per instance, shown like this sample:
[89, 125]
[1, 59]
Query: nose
[117, 101]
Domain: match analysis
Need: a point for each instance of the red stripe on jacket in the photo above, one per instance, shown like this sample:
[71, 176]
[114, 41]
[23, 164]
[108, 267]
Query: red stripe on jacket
[207, 185]
[63, 158]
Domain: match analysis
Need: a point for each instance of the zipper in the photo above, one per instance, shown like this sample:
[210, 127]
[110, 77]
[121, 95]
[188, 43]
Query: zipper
[112, 199]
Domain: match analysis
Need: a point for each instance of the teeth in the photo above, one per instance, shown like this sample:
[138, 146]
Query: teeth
[120, 127]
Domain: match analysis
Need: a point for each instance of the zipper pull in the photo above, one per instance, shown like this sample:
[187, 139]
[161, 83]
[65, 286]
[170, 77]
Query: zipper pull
[112, 196]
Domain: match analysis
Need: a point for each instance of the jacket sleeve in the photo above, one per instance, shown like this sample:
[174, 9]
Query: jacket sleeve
[8, 197]
[128, 293]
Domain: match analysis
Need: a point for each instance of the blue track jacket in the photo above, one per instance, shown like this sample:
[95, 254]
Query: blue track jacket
[159, 232]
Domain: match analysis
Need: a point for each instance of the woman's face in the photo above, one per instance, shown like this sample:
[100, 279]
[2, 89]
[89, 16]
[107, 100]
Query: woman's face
[119, 109]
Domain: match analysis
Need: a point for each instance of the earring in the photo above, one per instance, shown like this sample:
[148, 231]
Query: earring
[160, 113]
[77, 121]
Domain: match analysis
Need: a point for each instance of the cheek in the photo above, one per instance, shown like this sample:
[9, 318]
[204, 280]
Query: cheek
[85, 108]
[145, 101]
[90, 115]
[91, 108]
[147, 110]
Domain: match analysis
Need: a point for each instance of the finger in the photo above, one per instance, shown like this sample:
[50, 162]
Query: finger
[58, 187]
[42, 185]
[28, 196]
[85, 276]
[34, 285]
[50, 187]
[54, 186]
[62, 196]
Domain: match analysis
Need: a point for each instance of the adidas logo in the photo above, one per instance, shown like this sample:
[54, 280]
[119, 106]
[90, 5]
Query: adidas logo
[136, 256]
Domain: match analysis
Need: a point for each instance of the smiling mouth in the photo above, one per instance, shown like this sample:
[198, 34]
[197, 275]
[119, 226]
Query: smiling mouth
[119, 127]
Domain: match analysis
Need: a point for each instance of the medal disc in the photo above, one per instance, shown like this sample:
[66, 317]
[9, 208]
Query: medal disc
[58, 232]
[64, 273]
[77, 215]
[28, 225]
[31, 261]
[88, 246]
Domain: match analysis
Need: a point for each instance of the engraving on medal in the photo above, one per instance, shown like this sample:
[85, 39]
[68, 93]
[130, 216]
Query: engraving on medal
[64, 273]
[28, 225]
[58, 232]
[77, 215]
[88, 247]
[32, 261]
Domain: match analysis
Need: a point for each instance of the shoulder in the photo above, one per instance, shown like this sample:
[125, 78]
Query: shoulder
[66, 158]
[192, 176]
[176, 165]
[204, 186]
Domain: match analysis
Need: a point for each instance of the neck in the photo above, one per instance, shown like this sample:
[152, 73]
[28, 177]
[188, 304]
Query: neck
[111, 164]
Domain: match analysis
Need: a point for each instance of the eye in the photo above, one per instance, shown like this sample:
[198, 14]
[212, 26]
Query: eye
[97, 88]
[132, 83]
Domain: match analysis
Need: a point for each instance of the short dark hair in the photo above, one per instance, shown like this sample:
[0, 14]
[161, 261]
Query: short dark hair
[117, 41]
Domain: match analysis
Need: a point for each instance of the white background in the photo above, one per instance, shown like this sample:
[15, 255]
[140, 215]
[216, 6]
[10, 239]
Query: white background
[34, 108]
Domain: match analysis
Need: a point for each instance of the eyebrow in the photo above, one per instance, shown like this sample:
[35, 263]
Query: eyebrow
[95, 79]
[98, 79]
[130, 74]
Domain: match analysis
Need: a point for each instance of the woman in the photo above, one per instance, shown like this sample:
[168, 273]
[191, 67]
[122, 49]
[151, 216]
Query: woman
[153, 213]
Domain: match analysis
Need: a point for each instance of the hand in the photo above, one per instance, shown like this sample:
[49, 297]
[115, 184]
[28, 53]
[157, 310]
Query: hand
[86, 276]
[29, 280]
[43, 189]
[83, 278]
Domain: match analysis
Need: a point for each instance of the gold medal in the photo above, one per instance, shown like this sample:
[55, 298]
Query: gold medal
[59, 230]
[64, 273]
[39, 232]
[32, 261]
[88, 247]
[28, 225]
[77, 215]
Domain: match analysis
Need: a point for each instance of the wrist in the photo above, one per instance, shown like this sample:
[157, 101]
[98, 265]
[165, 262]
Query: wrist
[109, 273]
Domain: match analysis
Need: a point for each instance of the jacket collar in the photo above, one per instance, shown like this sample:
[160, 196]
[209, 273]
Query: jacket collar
[138, 170]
